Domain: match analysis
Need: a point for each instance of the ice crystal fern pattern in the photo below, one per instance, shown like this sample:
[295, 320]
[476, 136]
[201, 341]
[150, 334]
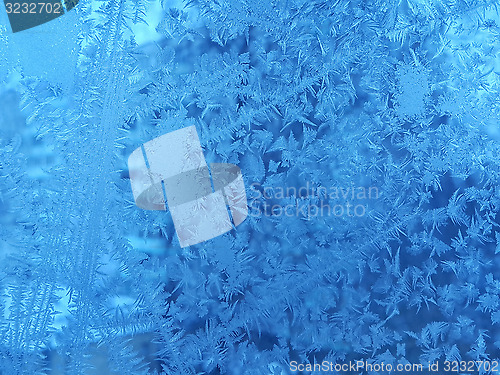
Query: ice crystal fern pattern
[401, 95]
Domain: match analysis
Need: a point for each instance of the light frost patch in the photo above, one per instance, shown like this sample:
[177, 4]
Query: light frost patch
[412, 92]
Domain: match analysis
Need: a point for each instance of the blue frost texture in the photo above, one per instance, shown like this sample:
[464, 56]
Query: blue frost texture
[398, 96]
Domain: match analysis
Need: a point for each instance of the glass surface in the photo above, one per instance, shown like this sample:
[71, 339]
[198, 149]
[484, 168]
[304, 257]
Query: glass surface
[249, 187]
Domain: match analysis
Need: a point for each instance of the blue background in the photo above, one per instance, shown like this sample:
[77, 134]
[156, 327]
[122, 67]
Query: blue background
[397, 95]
